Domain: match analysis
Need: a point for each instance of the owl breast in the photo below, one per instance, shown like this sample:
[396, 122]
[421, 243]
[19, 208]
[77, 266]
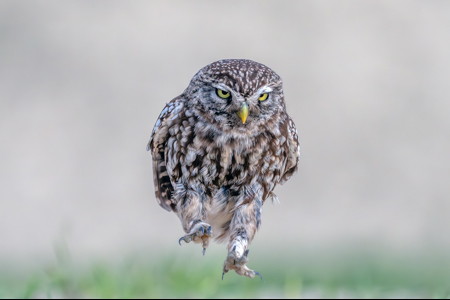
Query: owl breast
[198, 155]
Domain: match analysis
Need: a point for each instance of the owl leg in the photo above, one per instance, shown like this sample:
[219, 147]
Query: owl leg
[201, 233]
[193, 216]
[244, 225]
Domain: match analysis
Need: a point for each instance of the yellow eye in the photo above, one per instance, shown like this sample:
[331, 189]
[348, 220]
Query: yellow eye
[223, 94]
[263, 97]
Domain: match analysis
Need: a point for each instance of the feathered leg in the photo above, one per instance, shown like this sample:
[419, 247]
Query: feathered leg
[192, 214]
[245, 223]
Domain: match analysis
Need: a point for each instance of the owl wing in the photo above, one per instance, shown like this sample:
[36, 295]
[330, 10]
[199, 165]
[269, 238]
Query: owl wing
[157, 146]
[293, 153]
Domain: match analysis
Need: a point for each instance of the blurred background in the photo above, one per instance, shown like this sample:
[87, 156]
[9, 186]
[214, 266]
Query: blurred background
[366, 82]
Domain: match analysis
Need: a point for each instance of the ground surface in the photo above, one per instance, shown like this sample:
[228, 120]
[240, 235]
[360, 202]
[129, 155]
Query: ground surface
[199, 277]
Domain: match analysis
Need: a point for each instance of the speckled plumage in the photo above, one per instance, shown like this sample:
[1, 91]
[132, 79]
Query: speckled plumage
[212, 170]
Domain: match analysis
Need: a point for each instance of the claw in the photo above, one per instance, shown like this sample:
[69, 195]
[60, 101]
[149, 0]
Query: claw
[198, 235]
[223, 274]
[257, 273]
[246, 253]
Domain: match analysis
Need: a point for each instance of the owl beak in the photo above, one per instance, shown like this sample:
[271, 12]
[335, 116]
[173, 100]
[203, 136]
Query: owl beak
[243, 113]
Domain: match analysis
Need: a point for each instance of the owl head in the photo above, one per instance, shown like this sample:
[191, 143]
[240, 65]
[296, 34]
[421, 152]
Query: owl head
[237, 96]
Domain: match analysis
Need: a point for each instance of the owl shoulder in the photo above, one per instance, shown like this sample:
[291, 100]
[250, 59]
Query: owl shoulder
[168, 115]
[293, 151]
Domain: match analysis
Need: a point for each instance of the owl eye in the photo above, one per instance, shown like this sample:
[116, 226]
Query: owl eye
[263, 97]
[222, 94]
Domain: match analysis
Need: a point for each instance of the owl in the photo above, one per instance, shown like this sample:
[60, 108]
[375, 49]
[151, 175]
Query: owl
[219, 150]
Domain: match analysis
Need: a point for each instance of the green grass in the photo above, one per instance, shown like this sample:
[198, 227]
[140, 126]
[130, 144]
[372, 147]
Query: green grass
[192, 276]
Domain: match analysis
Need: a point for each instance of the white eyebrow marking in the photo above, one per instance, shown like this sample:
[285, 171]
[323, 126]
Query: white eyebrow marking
[221, 87]
[263, 90]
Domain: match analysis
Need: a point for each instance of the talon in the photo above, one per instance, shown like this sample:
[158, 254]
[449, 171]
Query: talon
[203, 231]
[182, 239]
[257, 273]
[209, 231]
[204, 251]
[223, 274]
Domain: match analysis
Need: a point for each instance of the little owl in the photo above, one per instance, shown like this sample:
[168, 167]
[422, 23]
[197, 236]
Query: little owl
[219, 149]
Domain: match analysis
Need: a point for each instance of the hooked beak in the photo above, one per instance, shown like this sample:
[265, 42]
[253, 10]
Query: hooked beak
[243, 113]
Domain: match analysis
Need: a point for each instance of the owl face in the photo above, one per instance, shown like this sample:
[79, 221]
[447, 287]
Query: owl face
[240, 97]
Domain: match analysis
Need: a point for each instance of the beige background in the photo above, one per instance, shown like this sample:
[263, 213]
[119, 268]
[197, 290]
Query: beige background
[82, 83]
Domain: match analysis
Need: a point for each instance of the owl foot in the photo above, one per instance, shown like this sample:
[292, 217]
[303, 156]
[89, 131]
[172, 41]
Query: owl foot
[200, 234]
[238, 264]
